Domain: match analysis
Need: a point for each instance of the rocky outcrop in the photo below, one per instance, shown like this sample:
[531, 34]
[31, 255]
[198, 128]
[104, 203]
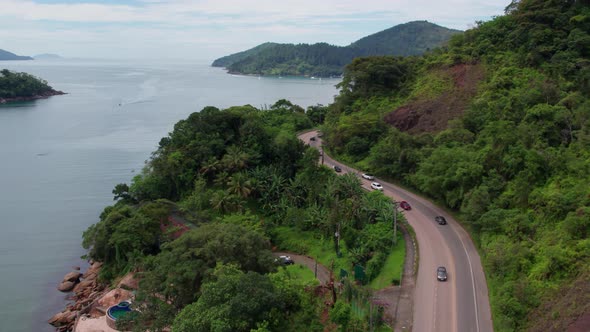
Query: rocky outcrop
[114, 297]
[73, 276]
[69, 281]
[66, 286]
[86, 292]
[129, 282]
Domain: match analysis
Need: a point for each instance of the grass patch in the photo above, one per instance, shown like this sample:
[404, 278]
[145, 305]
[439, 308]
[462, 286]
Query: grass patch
[314, 245]
[301, 273]
[393, 267]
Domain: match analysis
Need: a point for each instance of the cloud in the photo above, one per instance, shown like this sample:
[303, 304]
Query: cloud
[203, 26]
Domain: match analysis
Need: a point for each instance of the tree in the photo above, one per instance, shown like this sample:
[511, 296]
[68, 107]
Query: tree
[235, 301]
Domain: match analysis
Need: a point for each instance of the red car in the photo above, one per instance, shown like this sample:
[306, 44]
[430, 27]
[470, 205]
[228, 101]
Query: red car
[405, 205]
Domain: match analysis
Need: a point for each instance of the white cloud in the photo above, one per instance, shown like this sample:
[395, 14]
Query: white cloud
[216, 27]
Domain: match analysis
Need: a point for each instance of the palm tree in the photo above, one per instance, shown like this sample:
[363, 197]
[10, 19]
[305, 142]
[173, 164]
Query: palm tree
[235, 159]
[239, 184]
[211, 166]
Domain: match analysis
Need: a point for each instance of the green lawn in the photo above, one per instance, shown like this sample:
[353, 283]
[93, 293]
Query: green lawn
[393, 268]
[308, 243]
[301, 272]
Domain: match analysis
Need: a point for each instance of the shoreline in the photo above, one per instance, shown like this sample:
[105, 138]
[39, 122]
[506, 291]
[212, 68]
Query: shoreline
[35, 97]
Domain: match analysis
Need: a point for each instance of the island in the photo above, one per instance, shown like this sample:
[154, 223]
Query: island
[5, 55]
[47, 56]
[325, 60]
[23, 87]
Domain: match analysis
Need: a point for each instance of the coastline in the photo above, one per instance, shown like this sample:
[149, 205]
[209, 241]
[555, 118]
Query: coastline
[35, 97]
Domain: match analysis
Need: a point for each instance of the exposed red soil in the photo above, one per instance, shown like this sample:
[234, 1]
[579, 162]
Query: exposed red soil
[177, 226]
[432, 115]
[568, 309]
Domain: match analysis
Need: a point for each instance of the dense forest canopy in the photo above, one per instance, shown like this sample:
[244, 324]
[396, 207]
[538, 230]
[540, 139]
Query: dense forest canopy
[242, 182]
[326, 60]
[513, 156]
[14, 85]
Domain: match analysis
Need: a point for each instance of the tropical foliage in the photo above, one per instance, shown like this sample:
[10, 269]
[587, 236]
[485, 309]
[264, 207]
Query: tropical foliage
[198, 223]
[514, 163]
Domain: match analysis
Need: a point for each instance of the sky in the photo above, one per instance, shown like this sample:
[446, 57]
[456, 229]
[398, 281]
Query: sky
[208, 29]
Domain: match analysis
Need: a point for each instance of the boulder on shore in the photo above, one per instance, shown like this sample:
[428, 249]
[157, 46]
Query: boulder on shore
[66, 286]
[73, 276]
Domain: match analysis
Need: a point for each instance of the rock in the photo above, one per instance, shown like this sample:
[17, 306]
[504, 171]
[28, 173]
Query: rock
[114, 297]
[56, 319]
[63, 318]
[72, 276]
[82, 286]
[129, 282]
[66, 286]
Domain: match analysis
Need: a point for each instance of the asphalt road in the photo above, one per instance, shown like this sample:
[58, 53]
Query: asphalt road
[460, 304]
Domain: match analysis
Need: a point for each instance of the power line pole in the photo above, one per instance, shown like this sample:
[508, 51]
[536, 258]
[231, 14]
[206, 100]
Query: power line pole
[394, 222]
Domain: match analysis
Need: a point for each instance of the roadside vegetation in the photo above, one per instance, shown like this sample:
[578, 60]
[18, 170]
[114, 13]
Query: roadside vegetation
[225, 187]
[495, 126]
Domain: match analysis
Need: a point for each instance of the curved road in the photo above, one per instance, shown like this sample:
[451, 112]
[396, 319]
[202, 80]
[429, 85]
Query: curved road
[459, 305]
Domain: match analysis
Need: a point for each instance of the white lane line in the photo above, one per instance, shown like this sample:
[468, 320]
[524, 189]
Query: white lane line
[434, 307]
[472, 280]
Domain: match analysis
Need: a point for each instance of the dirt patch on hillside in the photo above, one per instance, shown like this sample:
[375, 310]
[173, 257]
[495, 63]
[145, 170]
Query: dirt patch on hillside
[433, 114]
[567, 310]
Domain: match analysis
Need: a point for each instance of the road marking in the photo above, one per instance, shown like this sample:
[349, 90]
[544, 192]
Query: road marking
[472, 280]
[434, 311]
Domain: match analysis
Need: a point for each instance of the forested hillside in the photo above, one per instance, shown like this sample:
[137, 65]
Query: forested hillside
[241, 182]
[23, 86]
[326, 60]
[496, 126]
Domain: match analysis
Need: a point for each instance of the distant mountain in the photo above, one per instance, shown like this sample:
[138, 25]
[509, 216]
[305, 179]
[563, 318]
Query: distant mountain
[322, 59]
[411, 38]
[47, 56]
[5, 55]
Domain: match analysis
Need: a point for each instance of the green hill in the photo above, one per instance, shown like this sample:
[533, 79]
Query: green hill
[5, 55]
[22, 86]
[496, 126]
[229, 59]
[322, 59]
[412, 38]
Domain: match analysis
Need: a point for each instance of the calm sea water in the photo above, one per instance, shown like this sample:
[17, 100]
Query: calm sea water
[61, 157]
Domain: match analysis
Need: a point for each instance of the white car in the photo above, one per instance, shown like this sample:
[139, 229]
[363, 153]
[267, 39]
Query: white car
[367, 176]
[376, 186]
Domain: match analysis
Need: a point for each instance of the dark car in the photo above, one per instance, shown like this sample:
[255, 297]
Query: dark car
[405, 205]
[440, 220]
[337, 169]
[285, 260]
[312, 138]
[441, 273]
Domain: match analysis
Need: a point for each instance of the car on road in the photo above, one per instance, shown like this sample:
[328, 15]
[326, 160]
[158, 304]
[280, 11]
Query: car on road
[284, 260]
[440, 220]
[337, 169]
[367, 176]
[441, 273]
[405, 205]
[376, 186]
[312, 138]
